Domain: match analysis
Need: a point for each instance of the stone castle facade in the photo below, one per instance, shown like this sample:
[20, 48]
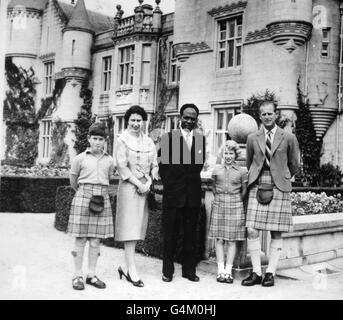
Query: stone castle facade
[215, 54]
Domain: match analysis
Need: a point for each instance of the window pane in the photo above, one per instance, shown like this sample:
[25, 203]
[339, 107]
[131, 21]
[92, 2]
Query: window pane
[219, 140]
[230, 53]
[239, 31]
[222, 59]
[220, 120]
[146, 73]
[238, 55]
[222, 44]
[231, 29]
[146, 52]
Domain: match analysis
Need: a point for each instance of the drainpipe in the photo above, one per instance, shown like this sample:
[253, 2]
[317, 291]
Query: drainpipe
[156, 73]
[339, 87]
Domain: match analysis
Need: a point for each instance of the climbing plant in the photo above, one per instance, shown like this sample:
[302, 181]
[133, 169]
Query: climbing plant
[84, 119]
[59, 151]
[166, 92]
[310, 146]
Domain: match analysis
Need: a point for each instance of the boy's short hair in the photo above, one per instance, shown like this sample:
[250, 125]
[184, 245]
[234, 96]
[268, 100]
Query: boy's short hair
[230, 145]
[97, 129]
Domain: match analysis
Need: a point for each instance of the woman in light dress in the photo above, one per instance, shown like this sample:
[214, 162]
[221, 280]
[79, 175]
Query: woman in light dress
[136, 160]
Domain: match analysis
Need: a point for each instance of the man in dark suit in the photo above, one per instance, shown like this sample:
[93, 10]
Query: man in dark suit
[272, 157]
[181, 159]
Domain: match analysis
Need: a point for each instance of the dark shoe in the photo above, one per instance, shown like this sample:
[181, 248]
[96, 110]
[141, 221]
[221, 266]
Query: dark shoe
[96, 282]
[221, 278]
[228, 278]
[268, 280]
[191, 277]
[167, 279]
[78, 283]
[138, 283]
[252, 280]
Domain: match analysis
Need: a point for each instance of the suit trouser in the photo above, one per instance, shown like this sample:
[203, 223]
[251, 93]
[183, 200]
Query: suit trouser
[171, 219]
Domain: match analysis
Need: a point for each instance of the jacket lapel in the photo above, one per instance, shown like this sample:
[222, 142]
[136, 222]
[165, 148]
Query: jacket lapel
[261, 140]
[277, 139]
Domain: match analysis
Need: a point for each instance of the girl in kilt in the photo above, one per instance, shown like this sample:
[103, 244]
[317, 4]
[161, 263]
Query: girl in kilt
[227, 224]
[89, 176]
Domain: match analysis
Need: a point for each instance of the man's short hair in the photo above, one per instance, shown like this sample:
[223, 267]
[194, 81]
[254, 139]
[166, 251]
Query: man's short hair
[97, 129]
[263, 103]
[189, 105]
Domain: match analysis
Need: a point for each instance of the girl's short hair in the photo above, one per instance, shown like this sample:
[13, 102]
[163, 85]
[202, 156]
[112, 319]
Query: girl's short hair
[230, 145]
[136, 109]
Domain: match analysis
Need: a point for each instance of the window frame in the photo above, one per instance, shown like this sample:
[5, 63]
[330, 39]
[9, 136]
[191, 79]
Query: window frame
[146, 61]
[235, 109]
[172, 118]
[223, 40]
[106, 81]
[49, 81]
[46, 138]
[173, 68]
[325, 53]
[126, 67]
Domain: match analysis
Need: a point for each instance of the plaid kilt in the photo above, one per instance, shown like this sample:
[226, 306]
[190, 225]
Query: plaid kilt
[227, 218]
[275, 216]
[84, 224]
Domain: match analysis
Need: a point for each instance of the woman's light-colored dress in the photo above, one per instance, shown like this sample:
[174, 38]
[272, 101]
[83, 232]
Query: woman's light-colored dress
[134, 156]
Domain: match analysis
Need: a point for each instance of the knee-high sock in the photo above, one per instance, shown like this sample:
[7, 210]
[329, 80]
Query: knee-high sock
[93, 255]
[274, 255]
[220, 267]
[254, 248]
[79, 248]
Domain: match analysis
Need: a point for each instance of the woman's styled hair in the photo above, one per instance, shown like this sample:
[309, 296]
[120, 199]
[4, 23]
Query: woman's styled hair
[229, 145]
[136, 109]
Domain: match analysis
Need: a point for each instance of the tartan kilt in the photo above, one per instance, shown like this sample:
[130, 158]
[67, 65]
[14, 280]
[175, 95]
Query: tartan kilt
[84, 224]
[227, 220]
[275, 216]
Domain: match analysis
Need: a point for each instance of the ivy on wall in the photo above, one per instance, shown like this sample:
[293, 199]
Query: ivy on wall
[59, 152]
[84, 119]
[166, 92]
[21, 116]
[310, 147]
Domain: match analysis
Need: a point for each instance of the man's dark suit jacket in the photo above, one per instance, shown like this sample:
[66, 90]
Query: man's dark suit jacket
[180, 169]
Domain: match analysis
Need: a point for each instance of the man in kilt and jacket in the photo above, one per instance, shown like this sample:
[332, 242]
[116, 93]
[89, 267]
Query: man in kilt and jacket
[272, 158]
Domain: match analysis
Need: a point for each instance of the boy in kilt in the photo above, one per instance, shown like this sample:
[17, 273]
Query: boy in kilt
[227, 224]
[89, 176]
[272, 157]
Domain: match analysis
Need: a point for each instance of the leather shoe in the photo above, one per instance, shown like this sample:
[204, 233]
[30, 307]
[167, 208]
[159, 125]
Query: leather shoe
[78, 283]
[252, 280]
[191, 277]
[96, 282]
[166, 278]
[268, 280]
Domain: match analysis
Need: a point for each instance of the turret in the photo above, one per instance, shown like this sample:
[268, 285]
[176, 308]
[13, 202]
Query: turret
[24, 21]
[78, 39]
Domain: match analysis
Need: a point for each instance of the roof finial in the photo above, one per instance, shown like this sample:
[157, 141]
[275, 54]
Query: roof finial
[72, 2]
[140, 2]
[157, 9]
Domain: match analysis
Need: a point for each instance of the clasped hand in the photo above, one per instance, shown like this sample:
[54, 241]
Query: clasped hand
[144, 188]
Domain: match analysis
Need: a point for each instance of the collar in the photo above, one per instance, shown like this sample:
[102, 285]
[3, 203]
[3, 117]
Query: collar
[185, 133]
[89, 151]
[234, 166]
[272, 131]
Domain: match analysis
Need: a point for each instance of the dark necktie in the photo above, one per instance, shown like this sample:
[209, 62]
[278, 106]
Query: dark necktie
[268, 149]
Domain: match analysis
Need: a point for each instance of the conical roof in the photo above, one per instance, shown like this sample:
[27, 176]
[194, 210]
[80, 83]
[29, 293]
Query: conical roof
[79, 18]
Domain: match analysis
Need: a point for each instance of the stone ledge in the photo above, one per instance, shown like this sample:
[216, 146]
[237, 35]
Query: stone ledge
[316, 222]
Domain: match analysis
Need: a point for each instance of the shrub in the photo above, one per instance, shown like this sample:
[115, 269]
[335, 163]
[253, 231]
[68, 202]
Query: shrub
[306, 203]
[330, 175]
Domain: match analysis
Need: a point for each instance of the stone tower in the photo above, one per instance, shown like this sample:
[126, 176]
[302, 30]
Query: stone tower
[76, 67]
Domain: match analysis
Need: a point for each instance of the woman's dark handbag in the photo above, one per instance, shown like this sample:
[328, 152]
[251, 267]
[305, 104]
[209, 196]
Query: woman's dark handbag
[264, 194]
[152, 203]
[96, 204]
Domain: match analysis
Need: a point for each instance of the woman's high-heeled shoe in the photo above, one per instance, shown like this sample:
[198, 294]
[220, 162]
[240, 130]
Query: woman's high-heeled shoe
[138, 283]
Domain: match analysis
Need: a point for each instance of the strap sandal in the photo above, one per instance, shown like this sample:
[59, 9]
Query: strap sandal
[78, 283]
[221, 277]
[228, 278]
[96, 282]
